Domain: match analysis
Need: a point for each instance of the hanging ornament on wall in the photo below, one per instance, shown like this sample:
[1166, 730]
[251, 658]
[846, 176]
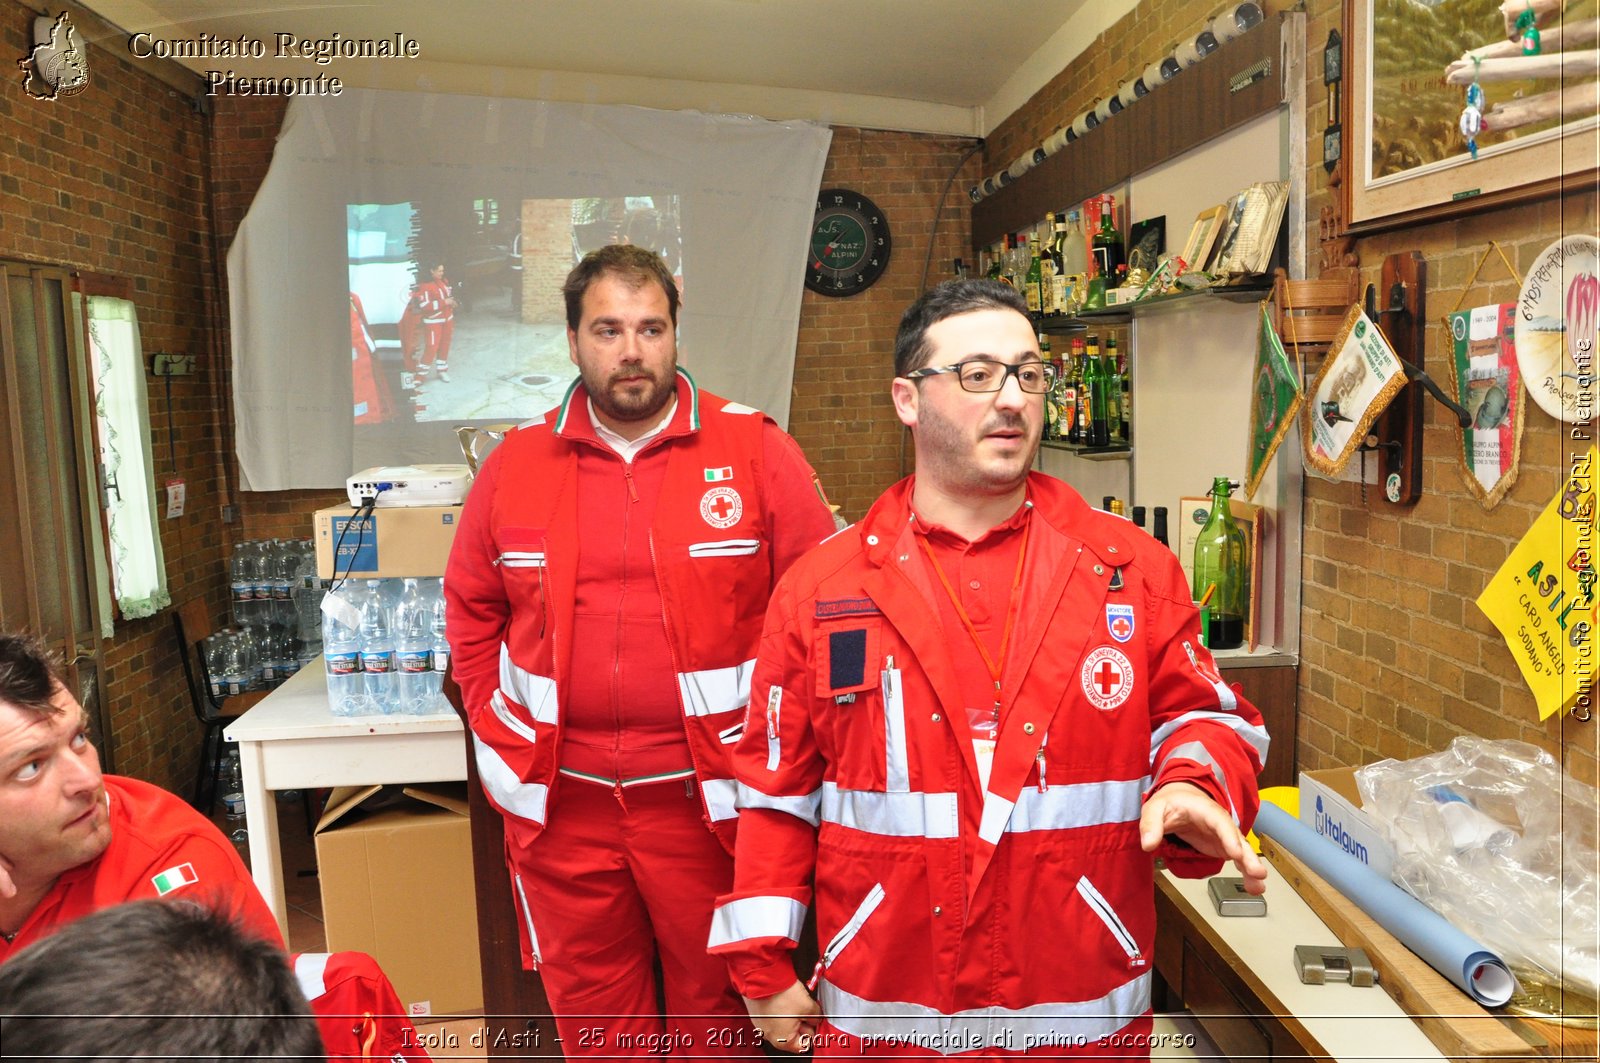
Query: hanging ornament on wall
[1528, 31]
[1472, 114]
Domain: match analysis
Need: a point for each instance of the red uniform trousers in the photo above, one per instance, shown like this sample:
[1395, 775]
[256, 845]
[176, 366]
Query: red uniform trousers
[436, 355]
[609, 884]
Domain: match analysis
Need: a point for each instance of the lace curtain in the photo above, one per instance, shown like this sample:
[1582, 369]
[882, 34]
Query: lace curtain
[138, 570]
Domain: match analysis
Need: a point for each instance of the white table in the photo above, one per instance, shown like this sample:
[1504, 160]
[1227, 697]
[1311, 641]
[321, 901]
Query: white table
[1343, 1022]
[291, 740]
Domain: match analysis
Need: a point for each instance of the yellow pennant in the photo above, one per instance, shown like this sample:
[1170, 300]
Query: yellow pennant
[1543, 598]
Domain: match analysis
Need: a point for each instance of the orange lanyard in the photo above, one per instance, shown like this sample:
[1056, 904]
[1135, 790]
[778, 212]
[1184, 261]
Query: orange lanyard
[996, 665]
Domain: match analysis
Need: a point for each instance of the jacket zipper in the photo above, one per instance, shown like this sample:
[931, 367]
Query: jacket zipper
[1108, 915]
[847, 933]
[616, 663]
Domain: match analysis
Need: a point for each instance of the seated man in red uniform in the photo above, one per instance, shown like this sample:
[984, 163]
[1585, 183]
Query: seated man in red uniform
[73, 841]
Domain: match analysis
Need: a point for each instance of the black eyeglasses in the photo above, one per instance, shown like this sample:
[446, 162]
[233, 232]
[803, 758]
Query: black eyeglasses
[984, 375]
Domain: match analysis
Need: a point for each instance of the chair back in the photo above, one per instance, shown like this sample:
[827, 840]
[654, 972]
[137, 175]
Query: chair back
[1308, 313]
[192, 624]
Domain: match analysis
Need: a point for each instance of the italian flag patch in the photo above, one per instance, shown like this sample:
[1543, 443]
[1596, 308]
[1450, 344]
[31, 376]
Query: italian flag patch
[174, 878]
[718, 475]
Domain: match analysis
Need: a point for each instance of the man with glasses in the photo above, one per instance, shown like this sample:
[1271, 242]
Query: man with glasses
[977, 718]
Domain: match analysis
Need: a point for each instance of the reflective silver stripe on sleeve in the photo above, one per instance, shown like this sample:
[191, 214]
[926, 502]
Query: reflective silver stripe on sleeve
[536, 693]
[803, 807]
[1255, 737]
[901, 815]
[1088, 804]
[1042, 1026]
[525, 799]
[996, 814]
[721, 796]
[310, 969]
[898, 764]
[756, 917]
[1196, 751]
[716, 689]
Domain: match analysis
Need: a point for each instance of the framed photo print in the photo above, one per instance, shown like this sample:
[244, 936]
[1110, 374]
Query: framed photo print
[1408, 67]
[1202, 237]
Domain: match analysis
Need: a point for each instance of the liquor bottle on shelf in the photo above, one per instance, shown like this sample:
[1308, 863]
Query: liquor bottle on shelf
[1098, 428]
[1109, 257]
[1158, 526]
[1052, 412]
[1222, 570]
[1118, 507]
[1125, 378]
[1107, 502]
[996, 262]
[1060, 287]
[1085, 395]
[1108, 372]
[1138, 517]
[1072, 430]
[1033, 279]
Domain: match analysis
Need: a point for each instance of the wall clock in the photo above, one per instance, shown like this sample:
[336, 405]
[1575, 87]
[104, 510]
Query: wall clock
[849, 244]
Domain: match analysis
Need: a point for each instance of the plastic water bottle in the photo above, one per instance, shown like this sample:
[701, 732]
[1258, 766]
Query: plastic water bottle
[232, 786]
[440, 648]
[414, 652]
[216, 651]
[241, 585]
[377, 651]
[341, 647]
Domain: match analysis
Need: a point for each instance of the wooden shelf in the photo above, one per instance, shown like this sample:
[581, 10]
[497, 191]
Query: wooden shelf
[1193, 108]
[1251, 292]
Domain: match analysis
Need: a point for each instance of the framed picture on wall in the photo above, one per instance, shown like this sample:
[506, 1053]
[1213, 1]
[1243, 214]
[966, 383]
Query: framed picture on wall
[1407, 71]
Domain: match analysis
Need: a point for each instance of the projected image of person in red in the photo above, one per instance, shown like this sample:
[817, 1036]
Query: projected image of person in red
[437, 305]
[374, 402]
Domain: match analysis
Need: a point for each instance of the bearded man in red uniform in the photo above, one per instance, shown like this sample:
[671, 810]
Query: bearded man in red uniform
[976, 718]
[605, 595]
[73, 841]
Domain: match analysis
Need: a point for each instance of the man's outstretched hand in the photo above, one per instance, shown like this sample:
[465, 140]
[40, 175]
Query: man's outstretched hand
[1188, 812]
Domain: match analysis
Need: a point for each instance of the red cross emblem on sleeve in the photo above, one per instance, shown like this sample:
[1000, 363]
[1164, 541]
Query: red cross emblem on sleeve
[1107, 678]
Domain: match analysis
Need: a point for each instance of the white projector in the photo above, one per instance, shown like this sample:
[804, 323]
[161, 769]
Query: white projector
[386, 486]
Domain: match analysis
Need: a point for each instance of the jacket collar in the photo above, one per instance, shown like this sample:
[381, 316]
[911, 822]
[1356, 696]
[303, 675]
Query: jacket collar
[573, 421]
[1109, 538]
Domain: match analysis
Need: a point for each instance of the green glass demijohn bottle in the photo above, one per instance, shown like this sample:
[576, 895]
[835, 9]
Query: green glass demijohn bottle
[1222, 557]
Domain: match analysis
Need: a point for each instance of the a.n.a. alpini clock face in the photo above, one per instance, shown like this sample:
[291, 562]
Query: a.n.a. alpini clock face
[849, 243]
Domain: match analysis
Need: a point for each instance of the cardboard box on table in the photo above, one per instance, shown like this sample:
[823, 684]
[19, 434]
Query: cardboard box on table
[393, 542]
[1330, 804]
[396, 873]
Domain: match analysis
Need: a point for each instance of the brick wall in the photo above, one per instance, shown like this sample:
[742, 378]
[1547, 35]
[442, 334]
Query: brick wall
[111, 181]
[1396, 659]
[546, 259]
[841, 412]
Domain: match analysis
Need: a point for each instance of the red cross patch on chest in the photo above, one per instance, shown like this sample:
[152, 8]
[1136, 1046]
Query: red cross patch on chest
[1107, 678]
